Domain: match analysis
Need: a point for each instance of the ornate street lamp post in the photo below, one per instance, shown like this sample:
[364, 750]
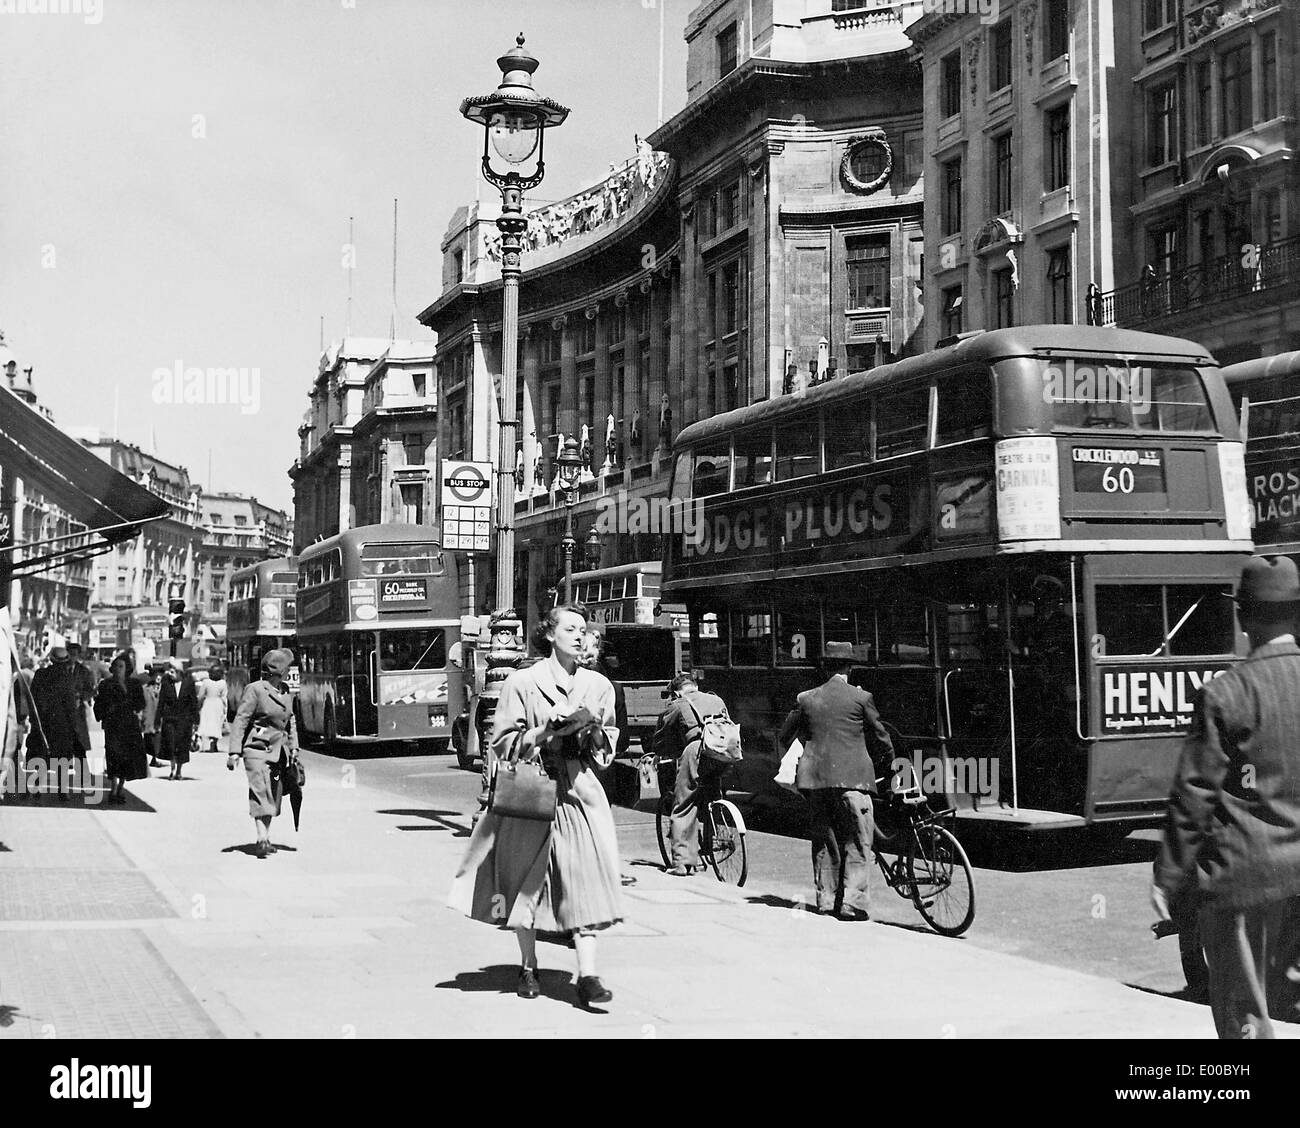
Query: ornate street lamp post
[594, 547]
[514, 119]
[570, 464]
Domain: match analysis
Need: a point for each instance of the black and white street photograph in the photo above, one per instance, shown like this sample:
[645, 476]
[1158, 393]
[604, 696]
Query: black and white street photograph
[649, 520]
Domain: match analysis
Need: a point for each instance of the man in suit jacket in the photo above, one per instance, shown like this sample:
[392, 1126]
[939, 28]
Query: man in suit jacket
[678, 737]
[839, 727]
[1232, 832]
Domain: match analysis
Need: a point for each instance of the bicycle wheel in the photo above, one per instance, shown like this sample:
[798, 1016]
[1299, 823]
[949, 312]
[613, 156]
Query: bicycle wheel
[723, 845]
[662, 831]
[943, 888]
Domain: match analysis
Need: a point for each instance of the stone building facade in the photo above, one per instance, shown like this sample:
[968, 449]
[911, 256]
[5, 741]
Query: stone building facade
[1212, 109]
[368, 450]
[766, 236]
[1025, 142]
[238, 531]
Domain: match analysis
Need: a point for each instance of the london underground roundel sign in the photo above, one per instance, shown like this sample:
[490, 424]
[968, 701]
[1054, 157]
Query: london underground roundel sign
[467, 505]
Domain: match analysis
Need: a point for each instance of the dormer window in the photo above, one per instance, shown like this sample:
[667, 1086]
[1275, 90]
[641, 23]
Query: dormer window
[728, 43]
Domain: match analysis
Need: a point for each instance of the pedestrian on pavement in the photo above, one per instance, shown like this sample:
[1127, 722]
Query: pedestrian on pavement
[212, 695]
[558, 877]
[85, 683]
[149, 718]
[119, 703]
[1232, 831]
[265, 735]
[840, 729]
[679, 737]
[178, 711]
[59, 737]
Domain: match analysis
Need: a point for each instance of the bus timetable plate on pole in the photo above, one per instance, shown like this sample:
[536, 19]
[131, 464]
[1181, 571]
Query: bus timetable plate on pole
[467, 505]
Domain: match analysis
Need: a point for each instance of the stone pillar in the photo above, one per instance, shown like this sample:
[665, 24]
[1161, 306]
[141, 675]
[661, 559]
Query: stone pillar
[530, 420]
[689, 341]
[345, 509]
[569, 421]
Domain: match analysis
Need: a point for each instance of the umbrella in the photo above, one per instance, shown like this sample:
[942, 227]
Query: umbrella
[290, 780]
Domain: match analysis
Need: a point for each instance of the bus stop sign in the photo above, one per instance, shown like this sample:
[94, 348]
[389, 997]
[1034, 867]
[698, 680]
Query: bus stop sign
[467, 505]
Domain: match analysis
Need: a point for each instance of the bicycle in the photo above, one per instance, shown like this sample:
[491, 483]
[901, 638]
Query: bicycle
[721, 833]
[930, 867]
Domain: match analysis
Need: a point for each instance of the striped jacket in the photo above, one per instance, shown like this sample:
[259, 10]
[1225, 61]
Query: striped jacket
[1232, 831]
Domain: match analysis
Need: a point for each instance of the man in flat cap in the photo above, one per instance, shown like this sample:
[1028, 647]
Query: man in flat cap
[839, 727]
[1232, 832]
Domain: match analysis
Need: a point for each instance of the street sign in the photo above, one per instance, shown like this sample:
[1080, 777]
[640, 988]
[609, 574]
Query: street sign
[466, 505]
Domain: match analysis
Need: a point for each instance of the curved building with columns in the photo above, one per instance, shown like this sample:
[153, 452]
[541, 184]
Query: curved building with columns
[766, 237]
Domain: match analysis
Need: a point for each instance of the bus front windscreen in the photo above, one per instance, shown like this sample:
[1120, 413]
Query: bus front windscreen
[1095, 394]
[401, 560]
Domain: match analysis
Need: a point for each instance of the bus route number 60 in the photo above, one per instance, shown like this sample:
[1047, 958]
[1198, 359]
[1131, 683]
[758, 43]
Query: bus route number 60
[1117, 480]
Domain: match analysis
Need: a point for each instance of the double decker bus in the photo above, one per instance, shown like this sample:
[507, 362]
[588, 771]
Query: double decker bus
[1266, 393]
[377, 617]
[626, 593]
[1026, 537]
[144, 630]
[101, 633]
[261, 615]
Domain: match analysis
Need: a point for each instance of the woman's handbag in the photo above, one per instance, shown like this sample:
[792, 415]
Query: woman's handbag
[522, 790]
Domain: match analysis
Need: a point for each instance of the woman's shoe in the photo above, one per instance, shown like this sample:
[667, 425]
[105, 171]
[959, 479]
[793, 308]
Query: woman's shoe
[592, 990]
[528, 987]
[262, 850]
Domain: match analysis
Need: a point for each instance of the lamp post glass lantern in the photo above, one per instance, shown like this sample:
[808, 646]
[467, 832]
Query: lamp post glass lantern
[594, 547]
[514, 118]
[570, 465]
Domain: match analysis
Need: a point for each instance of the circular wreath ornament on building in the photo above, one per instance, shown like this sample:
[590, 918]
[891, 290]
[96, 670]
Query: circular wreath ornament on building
[867, 164]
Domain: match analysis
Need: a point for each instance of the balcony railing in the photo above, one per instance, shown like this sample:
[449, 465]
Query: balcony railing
[1228, 276]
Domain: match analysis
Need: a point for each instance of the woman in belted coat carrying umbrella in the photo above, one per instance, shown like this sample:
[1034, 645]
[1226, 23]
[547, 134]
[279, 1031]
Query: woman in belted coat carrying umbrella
[265, 735]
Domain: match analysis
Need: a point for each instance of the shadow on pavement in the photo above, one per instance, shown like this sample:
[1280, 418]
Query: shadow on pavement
[249, 849]
[8, 1014]
[388, 750]
[458, 828]
[1184, 994]
[77, 801]
[502, 979]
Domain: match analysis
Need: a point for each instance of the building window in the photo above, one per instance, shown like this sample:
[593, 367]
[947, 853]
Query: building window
[458, 266]
[412, 503]
[1162, 106]
[950, 84]
[551, 395]
[1058, 147]
[729, 206]
[730, 297]
[1270, 213]
[708, 216]
[1002, 174]
[711, 314]
[1056, 29]
[1162, 249]
[867, 263]
[1204, 103]
[241, 521]
[1268, 80]
[1004, 299]
[952, 196]
[727, 45]
[1234, 88]
[419, 382]
[456, 420]
[414, 447]
[950, 302]
[1000, 56]
[1157, 14]
[1060, 298]
[618, 326]
[586, 336]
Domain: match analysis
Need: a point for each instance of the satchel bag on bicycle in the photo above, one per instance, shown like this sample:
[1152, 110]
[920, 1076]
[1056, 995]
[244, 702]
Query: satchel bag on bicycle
[719, 737]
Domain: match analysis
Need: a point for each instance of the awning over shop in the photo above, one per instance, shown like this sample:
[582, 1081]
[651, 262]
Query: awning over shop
[111, 506]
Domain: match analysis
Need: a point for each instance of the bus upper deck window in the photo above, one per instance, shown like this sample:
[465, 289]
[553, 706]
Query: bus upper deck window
[965, 408]
[754, 458]
[848, 436]
[712, 471]
[902, 421]
[796, 449]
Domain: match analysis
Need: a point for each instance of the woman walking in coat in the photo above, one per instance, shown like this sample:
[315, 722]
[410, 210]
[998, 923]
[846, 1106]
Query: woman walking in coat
[178, 710]
[560, 876]
[119, 701]
[265, 735]
[212, 695]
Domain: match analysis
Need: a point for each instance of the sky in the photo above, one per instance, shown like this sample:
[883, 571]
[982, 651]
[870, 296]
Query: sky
[176, 178]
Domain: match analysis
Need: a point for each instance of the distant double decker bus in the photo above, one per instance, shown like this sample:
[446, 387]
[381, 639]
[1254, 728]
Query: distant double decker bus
[1267, 397]
[261, 615]
[144, 630]
[625, 593]
[378, 616]
[1025, 536]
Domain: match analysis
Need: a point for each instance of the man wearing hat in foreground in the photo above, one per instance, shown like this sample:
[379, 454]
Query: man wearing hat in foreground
[839, 727]
[1232, 832]
[265, 735]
